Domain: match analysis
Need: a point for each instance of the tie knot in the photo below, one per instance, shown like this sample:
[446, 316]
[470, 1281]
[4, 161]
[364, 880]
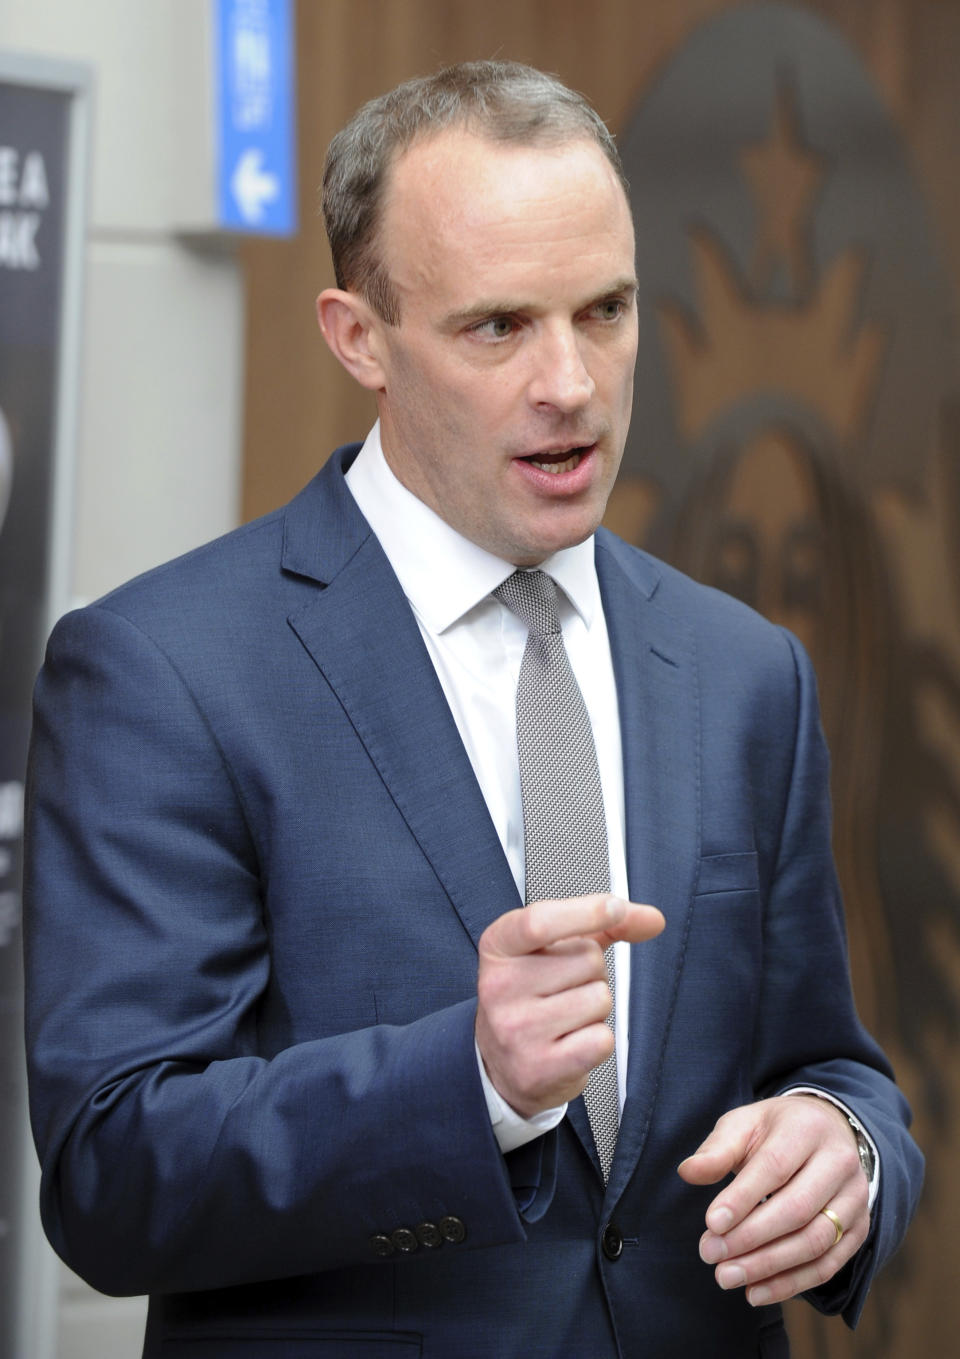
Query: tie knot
[532, 596]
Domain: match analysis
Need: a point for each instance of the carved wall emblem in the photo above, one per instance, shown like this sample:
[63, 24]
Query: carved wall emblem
[796, 442]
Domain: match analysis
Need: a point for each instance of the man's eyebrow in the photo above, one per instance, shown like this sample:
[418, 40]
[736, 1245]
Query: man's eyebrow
[480, 311]
[503, 306]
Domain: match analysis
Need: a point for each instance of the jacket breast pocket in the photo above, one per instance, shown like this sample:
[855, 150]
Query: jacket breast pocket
[728, 873]
[722, 967]
[727, 910]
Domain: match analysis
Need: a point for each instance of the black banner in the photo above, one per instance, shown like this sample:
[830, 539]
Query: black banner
[34, 147]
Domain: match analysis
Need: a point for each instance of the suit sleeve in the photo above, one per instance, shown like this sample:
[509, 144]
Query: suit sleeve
[174, 1155]
[810, 1034]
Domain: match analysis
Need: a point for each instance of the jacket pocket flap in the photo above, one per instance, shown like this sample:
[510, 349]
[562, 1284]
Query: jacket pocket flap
[728, 873]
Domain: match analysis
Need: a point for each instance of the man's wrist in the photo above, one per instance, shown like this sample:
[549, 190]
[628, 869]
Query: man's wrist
[866, 1147]
[511, 1129]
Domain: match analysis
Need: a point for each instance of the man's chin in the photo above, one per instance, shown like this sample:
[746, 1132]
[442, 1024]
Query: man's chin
[539, 546]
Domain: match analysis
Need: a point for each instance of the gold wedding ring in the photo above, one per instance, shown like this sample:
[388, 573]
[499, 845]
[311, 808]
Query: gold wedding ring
[837, 1224]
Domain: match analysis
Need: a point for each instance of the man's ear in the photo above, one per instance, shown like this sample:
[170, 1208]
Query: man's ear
[346, 322]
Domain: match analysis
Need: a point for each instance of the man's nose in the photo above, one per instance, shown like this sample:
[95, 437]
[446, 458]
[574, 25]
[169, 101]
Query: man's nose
[560, 377]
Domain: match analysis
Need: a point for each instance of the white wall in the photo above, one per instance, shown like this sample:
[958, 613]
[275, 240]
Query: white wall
[158, 443]
[160, 414]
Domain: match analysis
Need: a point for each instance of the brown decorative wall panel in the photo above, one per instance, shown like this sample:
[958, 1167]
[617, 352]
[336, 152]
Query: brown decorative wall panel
[794, 444]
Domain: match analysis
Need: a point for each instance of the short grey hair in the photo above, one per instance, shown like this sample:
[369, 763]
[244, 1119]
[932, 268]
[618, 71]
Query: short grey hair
[502, 100]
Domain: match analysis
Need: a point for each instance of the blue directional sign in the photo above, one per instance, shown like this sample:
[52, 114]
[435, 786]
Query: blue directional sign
[256, 179]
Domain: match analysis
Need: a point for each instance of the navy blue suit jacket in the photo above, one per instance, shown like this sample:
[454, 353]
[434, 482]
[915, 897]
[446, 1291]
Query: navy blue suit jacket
[259, 864]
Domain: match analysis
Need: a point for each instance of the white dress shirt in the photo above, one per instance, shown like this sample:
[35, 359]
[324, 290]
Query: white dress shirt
[476, 645]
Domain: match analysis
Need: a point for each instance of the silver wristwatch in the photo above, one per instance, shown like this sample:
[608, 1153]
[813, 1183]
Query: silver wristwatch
[868, 1162]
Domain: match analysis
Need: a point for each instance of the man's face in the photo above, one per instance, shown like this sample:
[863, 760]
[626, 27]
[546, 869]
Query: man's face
[508, 382]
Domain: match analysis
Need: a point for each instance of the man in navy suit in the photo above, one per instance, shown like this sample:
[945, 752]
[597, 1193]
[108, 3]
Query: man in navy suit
[303, 1066]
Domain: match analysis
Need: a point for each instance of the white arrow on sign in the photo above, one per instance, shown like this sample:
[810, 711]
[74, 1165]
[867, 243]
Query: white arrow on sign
[252, 186]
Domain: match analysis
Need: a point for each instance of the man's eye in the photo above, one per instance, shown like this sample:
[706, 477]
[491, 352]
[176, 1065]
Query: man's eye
[496, 328]
[611, 308]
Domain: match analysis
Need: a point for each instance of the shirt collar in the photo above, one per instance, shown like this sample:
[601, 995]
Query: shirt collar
[415, 539]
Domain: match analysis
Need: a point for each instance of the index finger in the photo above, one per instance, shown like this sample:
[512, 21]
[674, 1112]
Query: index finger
[543, 923]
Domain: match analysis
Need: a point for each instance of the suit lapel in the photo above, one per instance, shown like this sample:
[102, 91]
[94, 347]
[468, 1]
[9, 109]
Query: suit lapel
[655, 668]
[363, 637]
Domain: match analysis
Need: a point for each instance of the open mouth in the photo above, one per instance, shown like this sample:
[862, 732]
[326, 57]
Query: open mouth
[565, 461]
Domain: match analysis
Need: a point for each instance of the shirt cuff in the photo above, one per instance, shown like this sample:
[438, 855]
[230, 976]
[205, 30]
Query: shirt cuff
[857, 1127]
[511, 1129]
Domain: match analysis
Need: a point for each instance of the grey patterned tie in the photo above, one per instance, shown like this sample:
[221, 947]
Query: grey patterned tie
[564, 826]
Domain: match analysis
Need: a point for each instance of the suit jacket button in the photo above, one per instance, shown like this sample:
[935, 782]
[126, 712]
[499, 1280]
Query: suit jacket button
[428, 1234]
[452, 1229]
[612, 1241]
[382, 1245]
[404, 1240]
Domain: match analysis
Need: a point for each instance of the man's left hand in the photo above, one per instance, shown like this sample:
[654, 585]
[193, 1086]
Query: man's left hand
[791, 1157]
